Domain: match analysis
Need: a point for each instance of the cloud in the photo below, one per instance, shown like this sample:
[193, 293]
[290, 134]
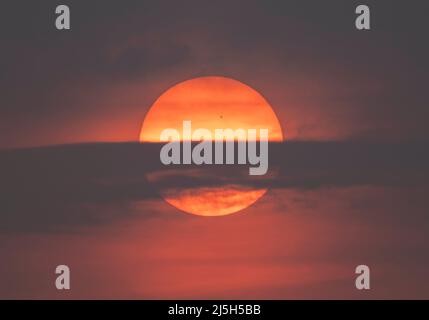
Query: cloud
[67, 186]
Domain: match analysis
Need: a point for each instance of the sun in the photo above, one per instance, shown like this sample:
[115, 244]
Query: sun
[211, 103]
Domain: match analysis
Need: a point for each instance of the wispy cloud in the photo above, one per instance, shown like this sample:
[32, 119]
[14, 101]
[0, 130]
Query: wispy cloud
[63, 187]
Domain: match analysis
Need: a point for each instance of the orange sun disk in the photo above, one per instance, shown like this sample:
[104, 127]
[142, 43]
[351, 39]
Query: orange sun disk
[211, 103]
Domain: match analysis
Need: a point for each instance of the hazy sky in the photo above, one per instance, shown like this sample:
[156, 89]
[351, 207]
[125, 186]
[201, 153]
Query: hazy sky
[352, 187]
[325, 79]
